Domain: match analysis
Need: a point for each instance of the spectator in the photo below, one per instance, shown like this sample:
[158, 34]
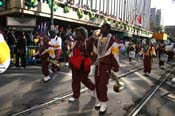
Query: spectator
[21, 50]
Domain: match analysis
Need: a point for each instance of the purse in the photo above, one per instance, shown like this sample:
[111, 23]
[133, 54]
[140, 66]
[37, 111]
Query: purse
[76, 60]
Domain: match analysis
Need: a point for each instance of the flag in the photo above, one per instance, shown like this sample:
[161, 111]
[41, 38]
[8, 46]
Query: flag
[44, 27]
[139, 19]
[38, 28]
[41, 27]
[132, 21]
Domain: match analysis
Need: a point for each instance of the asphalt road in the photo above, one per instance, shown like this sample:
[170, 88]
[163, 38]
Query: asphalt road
[23, 93]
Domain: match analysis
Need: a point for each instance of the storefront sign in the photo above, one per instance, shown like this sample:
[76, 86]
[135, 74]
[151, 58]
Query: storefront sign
[21, 22]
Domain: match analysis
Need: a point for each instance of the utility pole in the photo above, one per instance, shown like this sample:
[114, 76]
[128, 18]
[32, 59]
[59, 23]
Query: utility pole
[91, 5]
[103, 6]
[111, 8]
[96, 5]
[51, 16]
[124, 10]
[114, 7]
[135, 15]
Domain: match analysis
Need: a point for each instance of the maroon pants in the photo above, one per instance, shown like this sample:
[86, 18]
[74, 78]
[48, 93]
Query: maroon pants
[55, 68]
[58, 53]
[147, 62]
[77, 78]
[44, 67]
[102, 75]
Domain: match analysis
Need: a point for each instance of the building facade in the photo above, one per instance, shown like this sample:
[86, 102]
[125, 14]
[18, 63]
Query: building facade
[170, 30]
[158, 17]
[155, 16]
[126, 10]
[131, 16]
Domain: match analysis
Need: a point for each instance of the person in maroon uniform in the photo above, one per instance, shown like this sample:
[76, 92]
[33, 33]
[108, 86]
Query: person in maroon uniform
[148, 52]
[44, 56]
[106, 51]
[80, 63]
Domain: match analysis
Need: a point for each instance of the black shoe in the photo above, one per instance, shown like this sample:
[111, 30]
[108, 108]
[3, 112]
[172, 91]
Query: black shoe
[97, 107]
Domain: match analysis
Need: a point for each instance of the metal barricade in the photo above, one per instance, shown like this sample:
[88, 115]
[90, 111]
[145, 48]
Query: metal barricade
[31, 58]
[31, 55]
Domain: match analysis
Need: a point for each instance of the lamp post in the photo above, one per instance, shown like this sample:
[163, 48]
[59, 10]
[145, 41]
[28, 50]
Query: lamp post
[51, 16]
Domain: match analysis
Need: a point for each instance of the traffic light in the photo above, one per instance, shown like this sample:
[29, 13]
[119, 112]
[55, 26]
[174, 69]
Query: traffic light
[1, 3]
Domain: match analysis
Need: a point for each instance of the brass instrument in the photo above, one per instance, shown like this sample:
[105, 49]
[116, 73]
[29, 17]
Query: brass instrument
[119, 85]
[54, 62]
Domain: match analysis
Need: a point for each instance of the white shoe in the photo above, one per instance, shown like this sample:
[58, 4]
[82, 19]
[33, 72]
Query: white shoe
[67, 64]
[46, 79]
[173, 80]
[72, 99]
[103, 108]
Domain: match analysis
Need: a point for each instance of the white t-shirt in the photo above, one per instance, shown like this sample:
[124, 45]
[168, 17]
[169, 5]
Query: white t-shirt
[57, 41]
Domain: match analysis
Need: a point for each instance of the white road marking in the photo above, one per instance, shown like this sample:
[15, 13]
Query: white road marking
[70, 74]
[144, 78]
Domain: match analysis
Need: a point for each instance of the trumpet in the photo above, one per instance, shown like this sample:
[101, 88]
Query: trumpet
[119, 85]
[54, 62]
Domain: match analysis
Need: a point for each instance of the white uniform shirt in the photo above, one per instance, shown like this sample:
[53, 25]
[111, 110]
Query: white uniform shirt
[57, 41]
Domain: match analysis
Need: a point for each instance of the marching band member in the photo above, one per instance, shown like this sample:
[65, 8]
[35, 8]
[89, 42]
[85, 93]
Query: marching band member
[46, 52]
[4, 54]
[148, 52]
[56, 43]
[107, 51]
[80, 63]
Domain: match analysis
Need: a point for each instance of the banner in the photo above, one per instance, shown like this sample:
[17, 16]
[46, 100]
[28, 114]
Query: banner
[139, 19]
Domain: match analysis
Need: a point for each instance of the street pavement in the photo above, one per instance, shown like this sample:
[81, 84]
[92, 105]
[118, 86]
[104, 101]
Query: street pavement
[23, 93]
